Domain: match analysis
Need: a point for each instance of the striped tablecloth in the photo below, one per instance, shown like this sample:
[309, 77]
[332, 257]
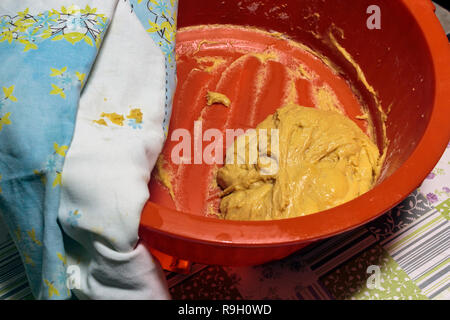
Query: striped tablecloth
[13, 281]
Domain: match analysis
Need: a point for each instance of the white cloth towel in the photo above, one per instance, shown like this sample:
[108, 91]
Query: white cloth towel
[118, 137]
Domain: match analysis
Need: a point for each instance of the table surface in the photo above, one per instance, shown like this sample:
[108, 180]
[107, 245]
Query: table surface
[405, 254]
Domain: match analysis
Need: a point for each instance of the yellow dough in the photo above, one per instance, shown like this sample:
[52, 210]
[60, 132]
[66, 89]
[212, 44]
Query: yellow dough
[215, 97]
[323, 159]
[164, 176]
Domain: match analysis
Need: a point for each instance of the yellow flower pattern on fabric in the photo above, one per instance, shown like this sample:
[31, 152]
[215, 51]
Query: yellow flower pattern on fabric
[72, 24]
[32, 235]
[41, 176]
[80, 77]
[61, 257]
[8, 93]
[4, 120]
[58, 180]
[54, 160]
[65, 80]
[52, 49]
[159, 18]
[163, 23]
[57, 91]
[51, 289]
[61, 150]
[28, 260]
[56, 72]
[18, 234]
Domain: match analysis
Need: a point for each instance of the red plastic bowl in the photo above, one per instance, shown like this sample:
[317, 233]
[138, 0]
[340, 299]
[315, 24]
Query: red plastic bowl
[406, 62]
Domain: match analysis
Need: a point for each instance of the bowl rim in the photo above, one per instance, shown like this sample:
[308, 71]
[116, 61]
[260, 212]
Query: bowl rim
[401, 183]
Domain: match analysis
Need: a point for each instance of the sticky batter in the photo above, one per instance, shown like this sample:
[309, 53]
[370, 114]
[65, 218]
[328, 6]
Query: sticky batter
[323, 160]
[216, 97]
[164, 176]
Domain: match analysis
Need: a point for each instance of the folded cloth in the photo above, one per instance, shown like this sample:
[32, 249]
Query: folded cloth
[118, 137]
[47, 49]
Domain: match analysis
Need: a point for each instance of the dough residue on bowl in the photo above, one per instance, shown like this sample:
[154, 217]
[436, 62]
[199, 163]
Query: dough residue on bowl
[163, 175]
[216, 97]
[323, 159]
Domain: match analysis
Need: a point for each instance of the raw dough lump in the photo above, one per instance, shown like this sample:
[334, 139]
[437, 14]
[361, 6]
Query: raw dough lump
[323, 159]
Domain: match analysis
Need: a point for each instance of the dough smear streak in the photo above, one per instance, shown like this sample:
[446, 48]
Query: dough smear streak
[323, 160]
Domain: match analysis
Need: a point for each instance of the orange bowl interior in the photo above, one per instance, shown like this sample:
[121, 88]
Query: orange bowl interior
[405, 63]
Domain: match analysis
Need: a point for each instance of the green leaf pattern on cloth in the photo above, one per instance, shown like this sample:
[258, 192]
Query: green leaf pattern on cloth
[444, 209]
[351, 279]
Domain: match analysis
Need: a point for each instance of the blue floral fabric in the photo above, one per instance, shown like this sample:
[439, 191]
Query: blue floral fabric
[44, 60]
[159, 18]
